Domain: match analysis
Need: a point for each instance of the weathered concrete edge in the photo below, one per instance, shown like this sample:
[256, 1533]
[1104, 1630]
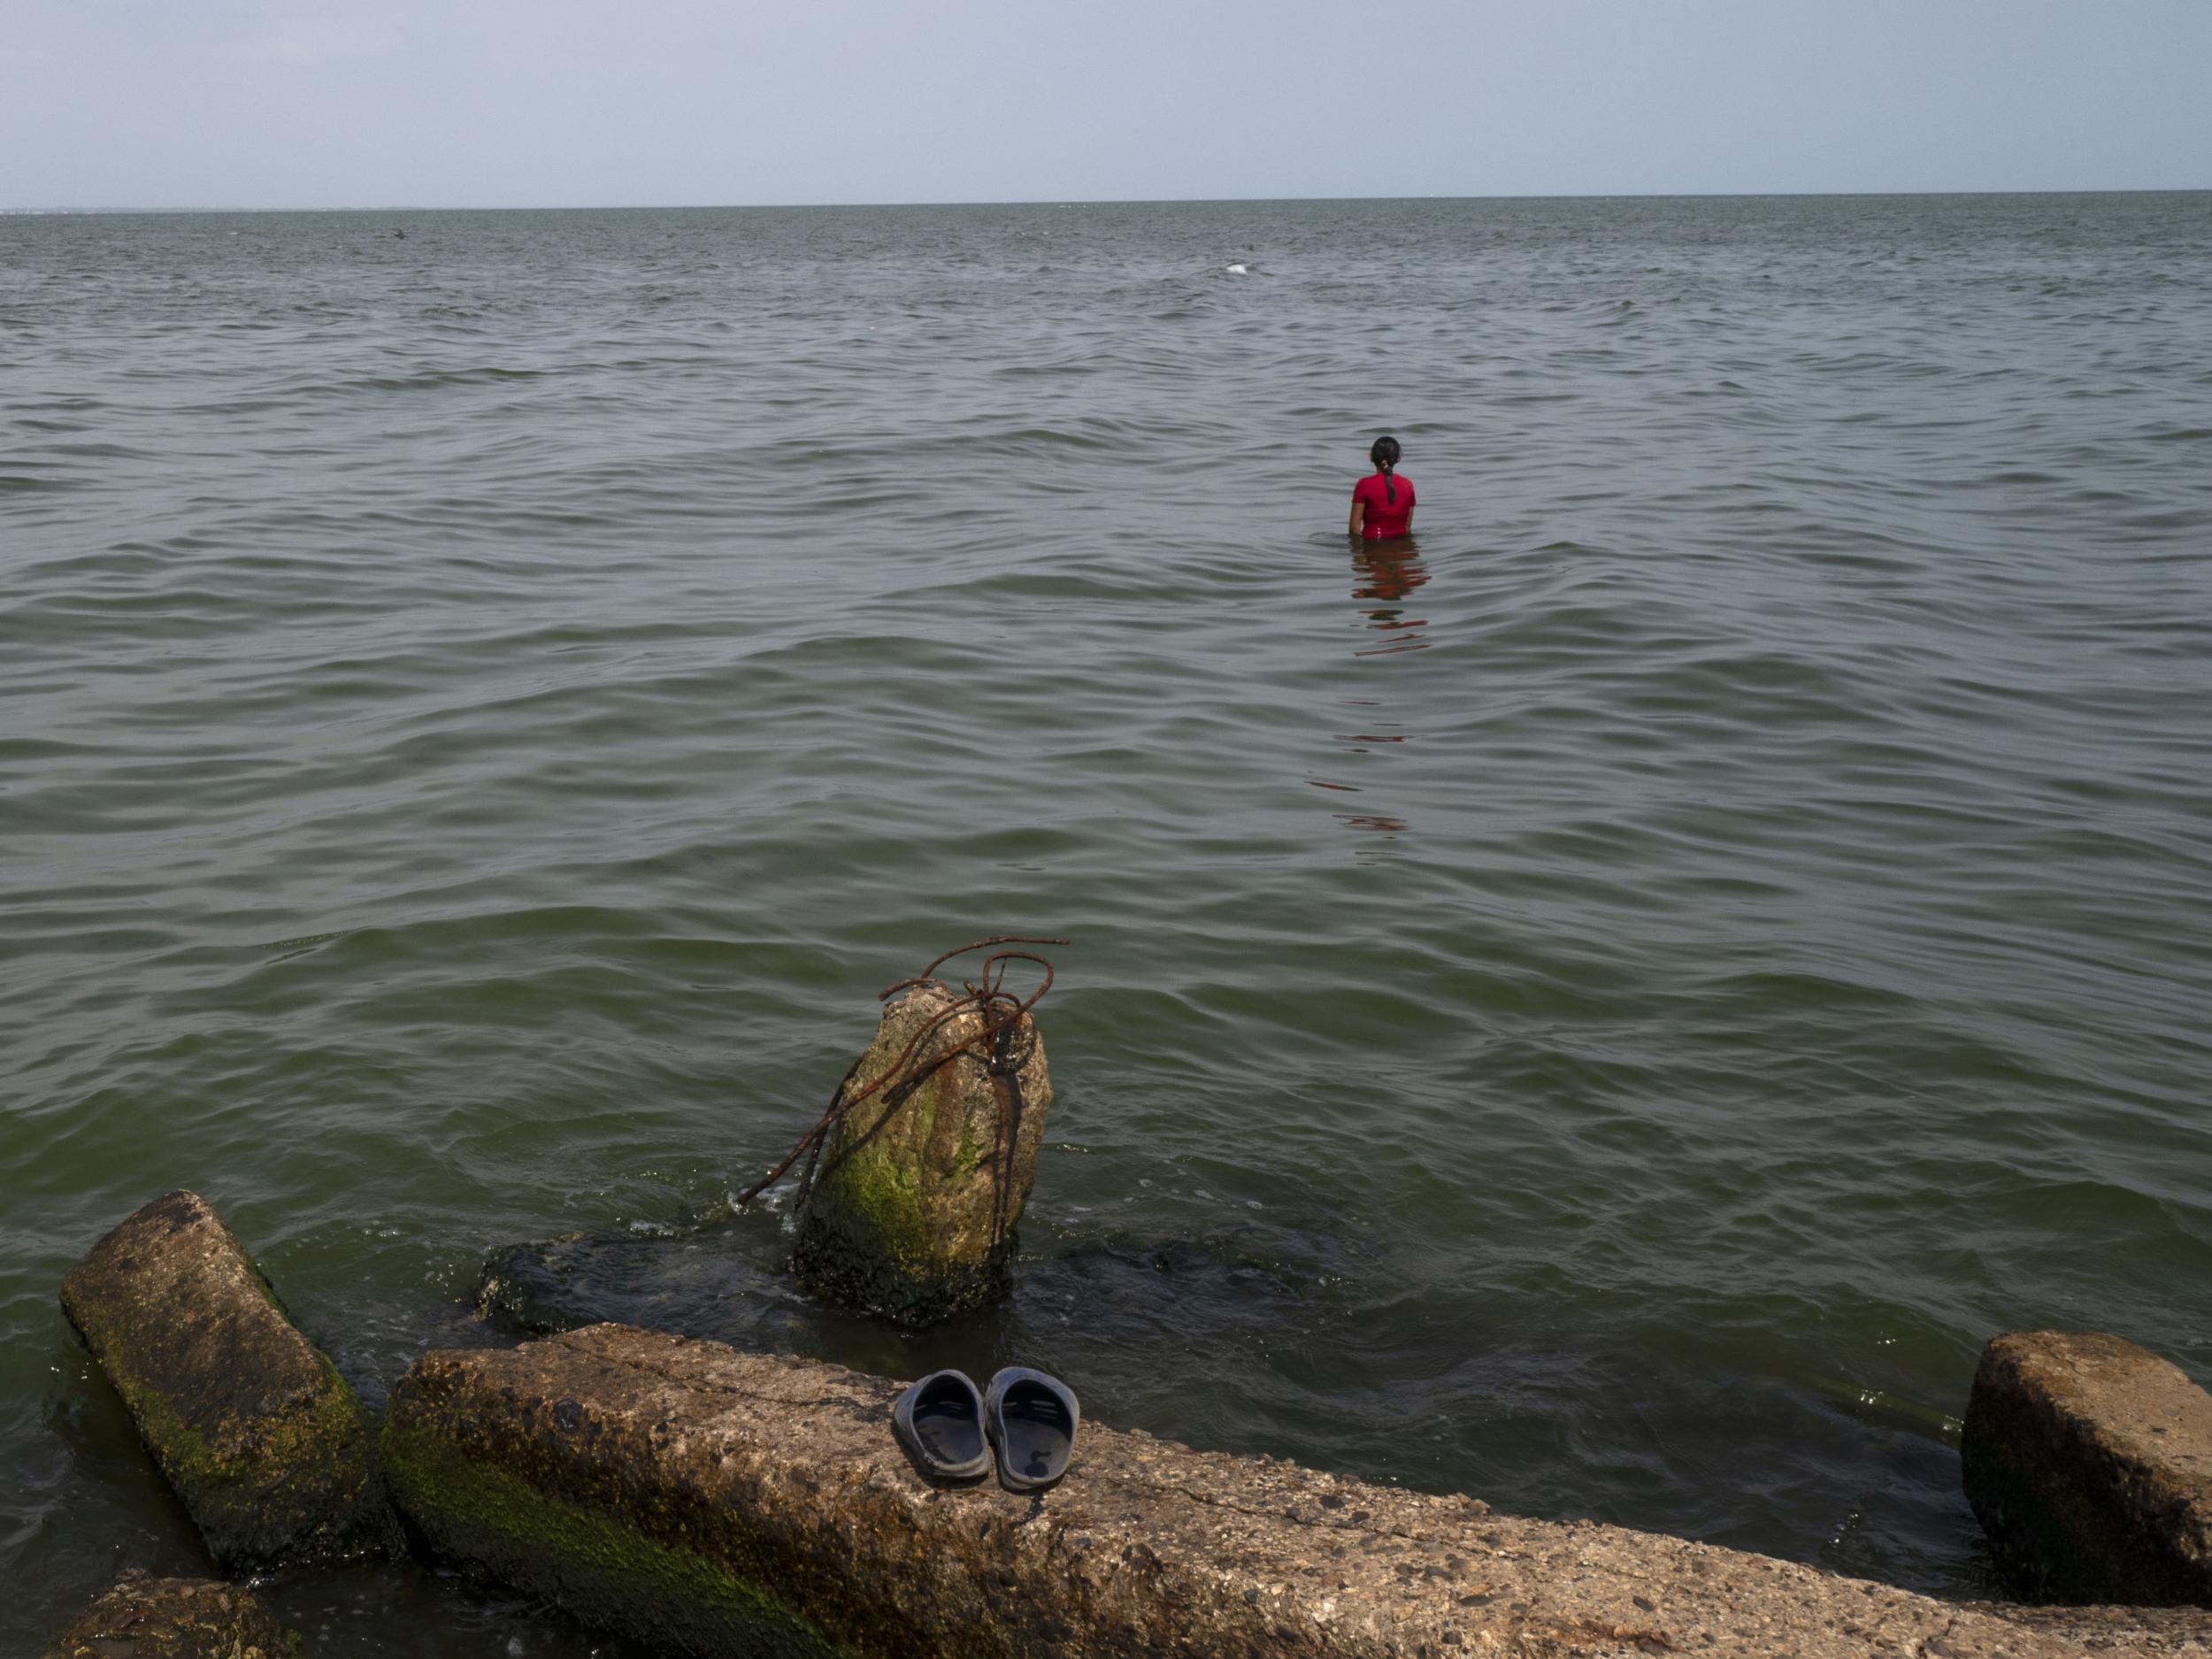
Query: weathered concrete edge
[774, 1478]
[2081, 1497]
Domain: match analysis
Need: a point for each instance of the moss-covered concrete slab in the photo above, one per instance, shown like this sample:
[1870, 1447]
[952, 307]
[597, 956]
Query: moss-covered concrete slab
[261, 1438]
[145, 1617]
[720, 1502]
[2089, 1462]
[912, 1206]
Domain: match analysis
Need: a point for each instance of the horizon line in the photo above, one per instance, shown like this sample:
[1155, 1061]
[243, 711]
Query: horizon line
[69, 210]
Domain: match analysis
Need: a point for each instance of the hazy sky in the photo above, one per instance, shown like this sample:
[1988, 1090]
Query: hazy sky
[254, 103]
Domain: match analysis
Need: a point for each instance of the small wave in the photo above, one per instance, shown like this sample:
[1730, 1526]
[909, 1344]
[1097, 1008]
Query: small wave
[428, 380]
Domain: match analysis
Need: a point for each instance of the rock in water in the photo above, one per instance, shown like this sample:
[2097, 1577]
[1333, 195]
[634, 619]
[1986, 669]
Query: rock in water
[261, 1438]
[912, 1208]
[145, 1617]
[2089, 1462]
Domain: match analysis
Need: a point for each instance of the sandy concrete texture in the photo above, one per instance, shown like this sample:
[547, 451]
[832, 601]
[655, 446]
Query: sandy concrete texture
[722, 1503]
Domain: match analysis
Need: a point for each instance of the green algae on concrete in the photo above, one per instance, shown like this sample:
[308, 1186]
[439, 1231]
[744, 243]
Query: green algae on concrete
[145, 1617]
[268, 1448]
[685, 1475]
[616, 1555]
[912, 1206]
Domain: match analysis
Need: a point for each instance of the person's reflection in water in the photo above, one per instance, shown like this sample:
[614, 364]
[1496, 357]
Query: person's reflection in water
[1389, 572]
[1384, 575]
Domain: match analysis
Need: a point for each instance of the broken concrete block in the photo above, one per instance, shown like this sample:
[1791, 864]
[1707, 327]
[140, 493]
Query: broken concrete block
[912, 1204]
[2089, 1462]
[263, 1440]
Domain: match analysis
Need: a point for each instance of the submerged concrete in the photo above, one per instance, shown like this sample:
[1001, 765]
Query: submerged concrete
[913, 1203]
[2089, 1462]
[719, 1503]
[261, 1438]
[145, 1617]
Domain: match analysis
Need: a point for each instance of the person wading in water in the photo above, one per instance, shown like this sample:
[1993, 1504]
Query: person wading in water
[1382, 502]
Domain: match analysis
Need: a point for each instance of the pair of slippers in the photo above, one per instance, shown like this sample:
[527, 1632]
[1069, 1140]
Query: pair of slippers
[950, 1428]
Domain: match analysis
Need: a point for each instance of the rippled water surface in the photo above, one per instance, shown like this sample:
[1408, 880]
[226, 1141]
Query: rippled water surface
[1606, 1007]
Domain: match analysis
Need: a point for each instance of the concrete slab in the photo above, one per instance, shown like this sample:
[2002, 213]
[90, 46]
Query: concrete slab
[722, 1503]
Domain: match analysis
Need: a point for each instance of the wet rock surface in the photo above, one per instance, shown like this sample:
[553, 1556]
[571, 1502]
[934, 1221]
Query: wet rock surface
[722, 1503]
[2089, 1462]
[912, 1205]
[266, 1444]
[145, 1617]
[1227, 1295]
[727, 1281]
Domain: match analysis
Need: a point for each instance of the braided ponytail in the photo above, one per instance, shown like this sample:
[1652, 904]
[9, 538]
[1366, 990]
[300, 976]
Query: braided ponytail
[1385, 455]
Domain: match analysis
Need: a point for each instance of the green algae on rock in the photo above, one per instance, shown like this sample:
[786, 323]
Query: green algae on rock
[499, 1491]
[720, 1502]
[267, 1447]
[911, 1207]
[146, 1617]
[2088, 1461]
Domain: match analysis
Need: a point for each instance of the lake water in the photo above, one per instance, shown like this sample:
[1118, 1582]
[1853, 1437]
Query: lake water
[1606, 1007]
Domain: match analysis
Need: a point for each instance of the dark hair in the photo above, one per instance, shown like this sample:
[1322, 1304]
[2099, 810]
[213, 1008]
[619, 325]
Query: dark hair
[1385, 455]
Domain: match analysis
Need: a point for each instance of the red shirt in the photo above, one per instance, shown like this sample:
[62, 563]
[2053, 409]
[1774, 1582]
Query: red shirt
[1385, 517]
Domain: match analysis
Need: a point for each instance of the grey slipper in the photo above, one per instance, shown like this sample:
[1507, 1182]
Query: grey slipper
[939, 1420]
[1031, 1419]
